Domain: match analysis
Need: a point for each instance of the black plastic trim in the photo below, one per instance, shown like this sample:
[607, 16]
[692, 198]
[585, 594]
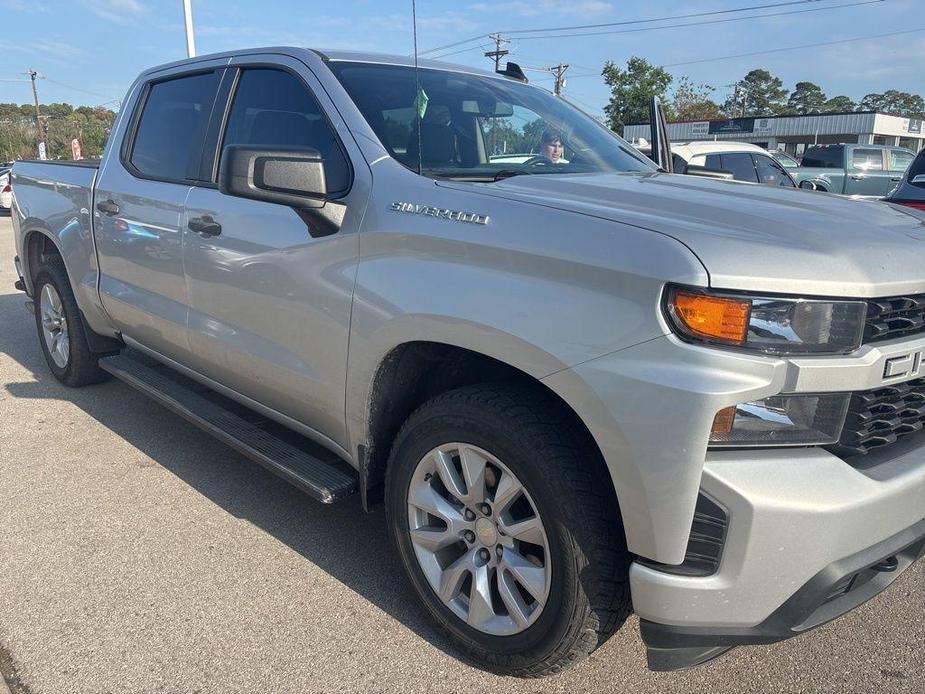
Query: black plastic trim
[836, 590]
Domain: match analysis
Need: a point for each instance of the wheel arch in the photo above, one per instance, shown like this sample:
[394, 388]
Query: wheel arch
[412, 373]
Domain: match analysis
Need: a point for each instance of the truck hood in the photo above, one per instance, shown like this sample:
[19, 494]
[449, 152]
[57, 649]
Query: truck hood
[748, 236]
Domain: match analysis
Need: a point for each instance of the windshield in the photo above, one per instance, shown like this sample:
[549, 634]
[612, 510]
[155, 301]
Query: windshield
[480, 128]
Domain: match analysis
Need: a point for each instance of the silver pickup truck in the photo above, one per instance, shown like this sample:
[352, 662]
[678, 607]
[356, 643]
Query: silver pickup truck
[580, 385]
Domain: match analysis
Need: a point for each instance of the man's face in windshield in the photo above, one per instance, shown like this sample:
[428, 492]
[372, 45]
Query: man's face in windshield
[551, 147]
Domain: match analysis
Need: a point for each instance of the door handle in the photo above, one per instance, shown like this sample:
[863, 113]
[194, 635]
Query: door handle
[897, 179]
[857, 177]
[204, 225]
[108, 207]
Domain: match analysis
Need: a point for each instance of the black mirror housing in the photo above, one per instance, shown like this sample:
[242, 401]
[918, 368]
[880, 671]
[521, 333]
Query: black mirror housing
[287, 177]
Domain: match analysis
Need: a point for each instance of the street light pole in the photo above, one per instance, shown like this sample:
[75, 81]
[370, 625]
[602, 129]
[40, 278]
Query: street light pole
[188, 20]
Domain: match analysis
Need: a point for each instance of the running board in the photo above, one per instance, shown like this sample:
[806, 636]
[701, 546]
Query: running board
[322, 479]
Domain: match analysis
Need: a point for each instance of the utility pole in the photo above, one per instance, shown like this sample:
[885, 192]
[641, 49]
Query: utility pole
[33, 75]
[188, 21]
[559, 72]
[497, 54]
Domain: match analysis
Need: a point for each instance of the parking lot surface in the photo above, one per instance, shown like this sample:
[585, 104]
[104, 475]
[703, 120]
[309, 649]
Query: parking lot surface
[139, 555]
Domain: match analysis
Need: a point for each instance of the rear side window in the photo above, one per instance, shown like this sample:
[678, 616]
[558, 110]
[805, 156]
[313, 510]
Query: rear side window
[823, 158]
[741, 166]
[273, 109]
[172, 126]
[714, 161]
[867, 159]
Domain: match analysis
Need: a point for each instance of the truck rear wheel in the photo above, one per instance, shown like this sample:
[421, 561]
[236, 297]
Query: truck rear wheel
[60, 329]
[508, 529]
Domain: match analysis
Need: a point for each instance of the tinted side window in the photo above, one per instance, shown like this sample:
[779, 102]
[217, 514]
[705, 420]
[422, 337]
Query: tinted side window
[714, 161]
[172, 126]
[741, 166]
[273, 109]
[771, 173]
[823, 157]
[867, 159]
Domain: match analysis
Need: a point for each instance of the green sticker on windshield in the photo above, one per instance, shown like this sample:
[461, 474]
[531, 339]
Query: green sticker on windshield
[420, 103]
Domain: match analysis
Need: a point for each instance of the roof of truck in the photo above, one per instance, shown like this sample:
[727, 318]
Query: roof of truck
[333, 56]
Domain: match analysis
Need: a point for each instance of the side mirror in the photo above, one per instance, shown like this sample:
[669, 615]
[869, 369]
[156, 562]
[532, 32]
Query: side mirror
[290, 177]
[808, 185]
[721, 174]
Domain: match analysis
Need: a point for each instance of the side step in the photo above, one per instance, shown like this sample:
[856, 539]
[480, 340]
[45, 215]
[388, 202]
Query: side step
[321, 479]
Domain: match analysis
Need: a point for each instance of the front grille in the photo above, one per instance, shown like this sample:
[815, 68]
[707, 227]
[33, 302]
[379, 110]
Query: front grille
[893, 317]
[879, 417]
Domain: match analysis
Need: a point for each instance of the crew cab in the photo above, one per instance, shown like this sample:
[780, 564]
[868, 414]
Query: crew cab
[578, 388]
[867, 171]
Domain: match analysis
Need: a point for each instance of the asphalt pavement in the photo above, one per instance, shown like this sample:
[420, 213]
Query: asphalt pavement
[139, 555]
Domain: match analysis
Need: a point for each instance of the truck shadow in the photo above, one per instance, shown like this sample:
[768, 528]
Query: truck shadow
[343, 540]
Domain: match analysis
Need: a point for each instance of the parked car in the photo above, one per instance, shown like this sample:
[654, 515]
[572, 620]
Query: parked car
[785, 160]
[866, 171]
[579, 390]
[6, 190]
[746, 162]
[911, 189]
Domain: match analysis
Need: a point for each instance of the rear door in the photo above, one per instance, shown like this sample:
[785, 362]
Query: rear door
[867, 172]
[139, 204]
[270, 293]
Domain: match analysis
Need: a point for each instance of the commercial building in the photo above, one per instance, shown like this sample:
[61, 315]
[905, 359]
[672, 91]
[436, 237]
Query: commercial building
[795, 133]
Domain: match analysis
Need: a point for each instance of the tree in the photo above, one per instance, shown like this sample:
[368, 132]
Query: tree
[838, 104]
[895, 103]
[62, 123]
[692, 101]
[759, 93]
[631, 91]
[806, 98]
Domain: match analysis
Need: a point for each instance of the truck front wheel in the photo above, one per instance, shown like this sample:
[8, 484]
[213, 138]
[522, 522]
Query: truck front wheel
[60, 329]
[508, 529]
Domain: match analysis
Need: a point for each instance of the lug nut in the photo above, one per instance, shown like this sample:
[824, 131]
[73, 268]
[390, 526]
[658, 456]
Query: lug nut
[500, 551]
[469, 536]
[484, 555]
[469, 514]
[485, 509]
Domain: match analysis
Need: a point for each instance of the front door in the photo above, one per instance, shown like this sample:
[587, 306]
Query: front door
[139, 207]
[270, 294]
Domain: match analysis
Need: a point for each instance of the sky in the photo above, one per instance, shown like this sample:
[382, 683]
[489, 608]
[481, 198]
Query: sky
[91, 50]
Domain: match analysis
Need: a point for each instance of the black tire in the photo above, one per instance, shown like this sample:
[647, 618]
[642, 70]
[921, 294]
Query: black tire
[81, 368]
[589, 595]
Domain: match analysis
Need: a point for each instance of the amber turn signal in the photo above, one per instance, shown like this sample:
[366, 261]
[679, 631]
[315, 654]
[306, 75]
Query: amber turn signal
[713, 317]
[722, 423]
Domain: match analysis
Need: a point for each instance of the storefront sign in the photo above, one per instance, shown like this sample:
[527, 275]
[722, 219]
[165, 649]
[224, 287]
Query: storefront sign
[735, 125]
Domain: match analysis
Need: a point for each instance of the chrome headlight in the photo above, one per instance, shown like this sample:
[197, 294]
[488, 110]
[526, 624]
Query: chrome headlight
[774, 325]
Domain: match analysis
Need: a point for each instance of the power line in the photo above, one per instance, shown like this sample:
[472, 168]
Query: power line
[627, 23]
[695, 24]
[795, 48]
[79, 89]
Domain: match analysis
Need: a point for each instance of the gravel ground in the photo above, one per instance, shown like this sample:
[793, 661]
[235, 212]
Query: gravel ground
[139, 555]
